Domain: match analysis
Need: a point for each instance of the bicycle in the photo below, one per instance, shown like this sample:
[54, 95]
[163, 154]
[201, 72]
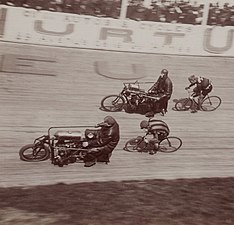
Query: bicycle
[209, 103]
[167, 144]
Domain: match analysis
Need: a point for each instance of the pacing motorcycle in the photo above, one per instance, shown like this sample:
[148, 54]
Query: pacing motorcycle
[132, 99]
[62, 145]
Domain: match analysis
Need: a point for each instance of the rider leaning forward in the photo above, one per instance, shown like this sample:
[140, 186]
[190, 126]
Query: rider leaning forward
[162, 89]
[202, 87]
[158, 129]
[101, 147]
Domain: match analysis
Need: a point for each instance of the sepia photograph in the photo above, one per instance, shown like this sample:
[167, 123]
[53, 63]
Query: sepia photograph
[116, 112]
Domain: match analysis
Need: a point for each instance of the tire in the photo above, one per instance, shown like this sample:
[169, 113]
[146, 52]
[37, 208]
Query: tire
[211, 103]
[183, 104]
[31, 154]
[170, 144]
[135, 145]
[112, 103]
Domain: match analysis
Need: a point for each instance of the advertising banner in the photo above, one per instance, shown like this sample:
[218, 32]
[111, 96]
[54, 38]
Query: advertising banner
[78, 31]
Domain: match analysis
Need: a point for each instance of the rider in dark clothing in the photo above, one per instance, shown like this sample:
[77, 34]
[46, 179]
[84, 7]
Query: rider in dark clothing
[203, 85]
[162, 89]
[107, 139]
[202, 88]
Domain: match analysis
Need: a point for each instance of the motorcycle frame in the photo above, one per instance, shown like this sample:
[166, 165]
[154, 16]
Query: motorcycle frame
[140, 94]
[51, 138]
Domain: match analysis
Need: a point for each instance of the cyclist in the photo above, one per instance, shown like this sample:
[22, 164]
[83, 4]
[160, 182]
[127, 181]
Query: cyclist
[162, 89]
[105, 141]
[158, 129]
[202, 87]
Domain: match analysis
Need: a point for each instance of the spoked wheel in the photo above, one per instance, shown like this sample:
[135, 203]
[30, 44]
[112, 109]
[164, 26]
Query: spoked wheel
[135, 145]
[31, 153]
[170, 144]
[183, 104]
[211, 103]
[112, 103]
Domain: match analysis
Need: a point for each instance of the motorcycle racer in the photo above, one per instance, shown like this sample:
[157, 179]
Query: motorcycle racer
[105, 142]
[162, 89]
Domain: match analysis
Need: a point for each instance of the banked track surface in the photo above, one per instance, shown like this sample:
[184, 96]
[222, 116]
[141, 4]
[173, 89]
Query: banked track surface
[31, 103]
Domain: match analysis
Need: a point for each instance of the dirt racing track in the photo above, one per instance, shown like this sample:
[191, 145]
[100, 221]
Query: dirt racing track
[42, 87]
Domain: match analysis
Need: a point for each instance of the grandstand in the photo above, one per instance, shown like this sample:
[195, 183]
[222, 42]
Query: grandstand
[213, 12]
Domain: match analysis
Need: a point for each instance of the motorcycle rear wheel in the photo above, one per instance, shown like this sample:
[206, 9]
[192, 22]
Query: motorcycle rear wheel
[31, 153]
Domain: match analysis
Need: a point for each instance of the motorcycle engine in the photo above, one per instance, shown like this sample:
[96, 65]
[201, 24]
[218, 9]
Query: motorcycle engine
[65, 147]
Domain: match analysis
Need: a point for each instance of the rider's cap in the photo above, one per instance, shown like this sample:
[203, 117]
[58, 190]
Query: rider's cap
[164, 72]
[192, 78]
[144, 124]
[108, 121]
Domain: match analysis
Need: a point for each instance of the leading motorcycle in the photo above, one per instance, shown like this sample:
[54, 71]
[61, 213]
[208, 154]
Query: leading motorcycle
[132, 99]
[62, 145]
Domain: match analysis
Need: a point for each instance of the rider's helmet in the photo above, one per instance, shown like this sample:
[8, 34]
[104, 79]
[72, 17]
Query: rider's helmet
[164, 73]
[144, 124]
[109, 121]
[192, 79]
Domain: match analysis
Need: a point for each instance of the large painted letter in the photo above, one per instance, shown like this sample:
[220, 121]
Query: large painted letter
[217, 50]
[134, 72]
[26, 64]
[125, 34]
[3, 12]
[168, 36]
[39, 28]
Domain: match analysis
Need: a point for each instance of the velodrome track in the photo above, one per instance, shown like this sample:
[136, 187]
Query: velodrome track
[70, 94]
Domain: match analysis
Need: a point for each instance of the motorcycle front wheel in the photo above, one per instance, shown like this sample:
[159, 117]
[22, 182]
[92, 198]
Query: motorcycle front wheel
[33, 153]
[112, 103]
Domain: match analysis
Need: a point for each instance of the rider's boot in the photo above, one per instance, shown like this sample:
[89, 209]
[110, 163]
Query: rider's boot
[89, 164]
[152, 152]
[193, 111]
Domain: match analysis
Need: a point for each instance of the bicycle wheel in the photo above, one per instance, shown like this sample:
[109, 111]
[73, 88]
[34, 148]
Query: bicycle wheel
[183, 104]
[30, 153]
[170, 144]
[211, 103]
[135, 145]
[112, 103]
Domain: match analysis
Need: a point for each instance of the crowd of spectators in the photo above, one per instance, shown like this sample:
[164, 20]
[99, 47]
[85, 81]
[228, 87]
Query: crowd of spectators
[168, 11]
[186, 12]
[100, 8]
[222, 15]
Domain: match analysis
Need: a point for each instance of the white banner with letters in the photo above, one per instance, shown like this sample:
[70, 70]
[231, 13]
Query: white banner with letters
[71, 30]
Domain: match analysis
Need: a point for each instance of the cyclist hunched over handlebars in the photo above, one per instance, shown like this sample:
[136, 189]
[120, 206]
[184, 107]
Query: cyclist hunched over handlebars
[202, 88]
[158, 129]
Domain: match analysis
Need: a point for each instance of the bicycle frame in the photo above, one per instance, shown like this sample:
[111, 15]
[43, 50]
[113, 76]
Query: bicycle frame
[195, 99]
[207, 103]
